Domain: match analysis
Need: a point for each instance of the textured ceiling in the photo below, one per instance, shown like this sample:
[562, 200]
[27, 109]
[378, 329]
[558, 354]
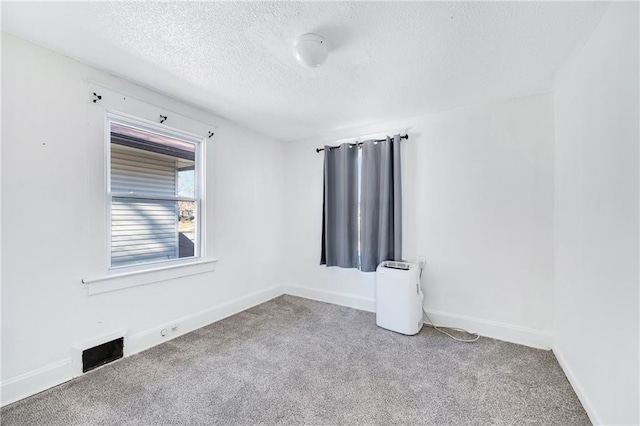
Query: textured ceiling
[387, 60]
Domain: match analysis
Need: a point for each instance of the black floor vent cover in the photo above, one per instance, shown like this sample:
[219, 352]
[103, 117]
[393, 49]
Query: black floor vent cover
[102, 354]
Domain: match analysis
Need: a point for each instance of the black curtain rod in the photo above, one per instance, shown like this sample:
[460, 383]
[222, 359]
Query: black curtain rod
[360, 143]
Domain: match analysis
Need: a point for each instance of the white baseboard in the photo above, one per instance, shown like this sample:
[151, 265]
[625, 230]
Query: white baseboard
[32, 382]
[51, 375]
[342, 299]
[35, 381]
[577, 387]
[144, 340]
[496, 330]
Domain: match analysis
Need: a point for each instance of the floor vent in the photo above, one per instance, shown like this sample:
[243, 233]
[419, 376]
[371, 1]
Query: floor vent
[102, 354]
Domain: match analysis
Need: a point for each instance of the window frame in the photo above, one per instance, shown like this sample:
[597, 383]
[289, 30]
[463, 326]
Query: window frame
[199, 142]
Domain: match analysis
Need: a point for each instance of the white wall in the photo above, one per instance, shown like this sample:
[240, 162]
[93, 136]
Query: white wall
[478, 204]
[596, 297]
[50, 234]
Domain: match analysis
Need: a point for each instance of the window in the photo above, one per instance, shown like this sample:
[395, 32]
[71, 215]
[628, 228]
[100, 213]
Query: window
[362, 210]
[155, 193]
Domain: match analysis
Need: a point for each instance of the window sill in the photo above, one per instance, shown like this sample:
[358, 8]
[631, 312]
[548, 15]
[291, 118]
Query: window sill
[137, 278]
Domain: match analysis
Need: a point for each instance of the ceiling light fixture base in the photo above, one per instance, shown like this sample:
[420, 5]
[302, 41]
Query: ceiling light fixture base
[310, 50]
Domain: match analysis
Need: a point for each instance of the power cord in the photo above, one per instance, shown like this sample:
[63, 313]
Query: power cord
[431, 324]
[461, 330]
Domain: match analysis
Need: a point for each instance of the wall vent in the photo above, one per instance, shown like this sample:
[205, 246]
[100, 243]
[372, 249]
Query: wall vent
[102, 354]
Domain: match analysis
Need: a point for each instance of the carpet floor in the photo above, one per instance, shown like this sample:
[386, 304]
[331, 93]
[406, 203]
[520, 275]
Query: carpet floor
[297, 361]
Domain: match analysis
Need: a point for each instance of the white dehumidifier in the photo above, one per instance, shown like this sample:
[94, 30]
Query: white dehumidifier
[399, 297]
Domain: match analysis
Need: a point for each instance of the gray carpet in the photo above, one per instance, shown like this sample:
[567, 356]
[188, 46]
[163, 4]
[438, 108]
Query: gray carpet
[296, 361]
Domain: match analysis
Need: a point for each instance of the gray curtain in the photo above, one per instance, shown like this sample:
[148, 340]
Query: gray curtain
[381, 203]
[340, 208]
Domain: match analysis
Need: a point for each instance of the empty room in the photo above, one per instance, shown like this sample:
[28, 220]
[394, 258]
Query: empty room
[322, 213]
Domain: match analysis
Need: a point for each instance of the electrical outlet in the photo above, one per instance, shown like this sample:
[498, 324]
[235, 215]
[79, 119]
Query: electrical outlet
[422, 261]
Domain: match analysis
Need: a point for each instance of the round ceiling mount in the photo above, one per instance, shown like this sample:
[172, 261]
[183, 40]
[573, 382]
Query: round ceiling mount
[310, 50]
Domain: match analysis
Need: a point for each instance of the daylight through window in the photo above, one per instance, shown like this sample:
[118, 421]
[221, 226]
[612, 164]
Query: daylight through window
[154, 193]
